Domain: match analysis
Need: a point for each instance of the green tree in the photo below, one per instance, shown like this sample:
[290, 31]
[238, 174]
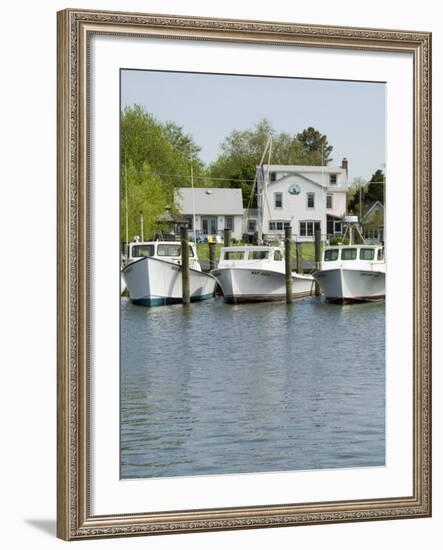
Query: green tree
[361, 194]
[242, 151]
[375, 190]
[166, 148]
[155, 159]
[315, 146]
[356, 196]
[146, 196]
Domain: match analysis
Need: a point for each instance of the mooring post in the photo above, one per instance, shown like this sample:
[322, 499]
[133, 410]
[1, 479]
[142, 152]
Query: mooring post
[317, 257]
[288, 267]
[227, 237]
[185, 265]
[212, 264]
[298, 248]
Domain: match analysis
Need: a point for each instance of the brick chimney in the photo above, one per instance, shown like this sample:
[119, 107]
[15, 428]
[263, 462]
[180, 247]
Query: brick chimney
[344, 164]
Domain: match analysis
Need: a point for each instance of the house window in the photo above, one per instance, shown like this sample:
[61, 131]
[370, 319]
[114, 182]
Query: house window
[332, 179]
[252, 224]
[229, 222]
[337, 228]
[278, 225]
[329, 200]
[189, 222]
[278, 200]
[311, 200]
[307, 228]
[273, 176]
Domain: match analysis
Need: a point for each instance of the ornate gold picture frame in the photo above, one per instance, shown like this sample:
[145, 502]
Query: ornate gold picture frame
[76, 29]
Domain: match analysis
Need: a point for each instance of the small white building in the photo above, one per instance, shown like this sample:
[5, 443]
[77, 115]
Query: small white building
[215, 209]
[303, 197]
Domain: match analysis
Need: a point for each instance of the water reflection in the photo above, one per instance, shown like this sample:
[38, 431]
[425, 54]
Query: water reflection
[216, 388]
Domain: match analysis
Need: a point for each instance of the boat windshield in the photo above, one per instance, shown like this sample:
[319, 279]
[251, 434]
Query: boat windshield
[348, 254]
[258, 254]
[278, 256]
[234, 255]
[172, 250]
[142, 250]
[331, 254]
[380, 254]
[367, 253]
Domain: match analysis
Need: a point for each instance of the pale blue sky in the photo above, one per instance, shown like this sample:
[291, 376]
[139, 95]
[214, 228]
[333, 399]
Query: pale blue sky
[210, 106]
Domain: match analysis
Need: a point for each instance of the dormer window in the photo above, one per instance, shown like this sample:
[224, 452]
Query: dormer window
[332, 179]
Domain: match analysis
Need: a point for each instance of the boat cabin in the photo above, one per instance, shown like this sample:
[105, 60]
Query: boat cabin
[169, 251]
[355, 253]
[234, 254]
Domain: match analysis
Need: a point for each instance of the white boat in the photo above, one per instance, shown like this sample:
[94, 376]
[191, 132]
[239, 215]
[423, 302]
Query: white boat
[353, 272]
[257, 274]
[122, 279]
[153, 274]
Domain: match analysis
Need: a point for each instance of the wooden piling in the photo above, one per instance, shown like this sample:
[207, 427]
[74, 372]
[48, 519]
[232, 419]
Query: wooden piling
[227, 237]
[212, 263]
[298, 248]
[317, 257]
[288, 267]
[185, 265]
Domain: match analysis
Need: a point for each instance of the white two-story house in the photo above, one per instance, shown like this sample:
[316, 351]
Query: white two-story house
[213, 210]
[305, 198]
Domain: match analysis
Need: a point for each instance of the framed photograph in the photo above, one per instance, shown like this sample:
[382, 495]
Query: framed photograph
[244, 288]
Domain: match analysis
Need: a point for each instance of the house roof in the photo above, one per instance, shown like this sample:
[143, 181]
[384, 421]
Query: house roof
[300, 168]
[303, 177]
[372, 207]
[318, 175]
[209, 201]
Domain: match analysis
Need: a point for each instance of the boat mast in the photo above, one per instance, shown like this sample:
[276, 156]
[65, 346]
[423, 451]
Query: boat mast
[263, 190]
[126, 208]
[193, 199]
[142, 226]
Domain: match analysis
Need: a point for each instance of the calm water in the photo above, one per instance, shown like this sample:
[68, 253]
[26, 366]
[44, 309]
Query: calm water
[217, 389]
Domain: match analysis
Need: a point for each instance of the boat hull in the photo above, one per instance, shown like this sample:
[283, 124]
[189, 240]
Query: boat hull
[154, 282]
[242, 285]
[122, 283]
[351, 285]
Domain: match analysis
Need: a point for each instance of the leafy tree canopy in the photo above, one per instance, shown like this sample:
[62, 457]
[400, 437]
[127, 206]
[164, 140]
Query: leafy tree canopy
[362, 193]
[242, 150]
[146, 197]
[155, 159]
[164, 147]
[315, 146]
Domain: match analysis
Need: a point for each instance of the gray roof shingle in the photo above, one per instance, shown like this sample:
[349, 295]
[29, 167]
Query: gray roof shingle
[210, 201]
